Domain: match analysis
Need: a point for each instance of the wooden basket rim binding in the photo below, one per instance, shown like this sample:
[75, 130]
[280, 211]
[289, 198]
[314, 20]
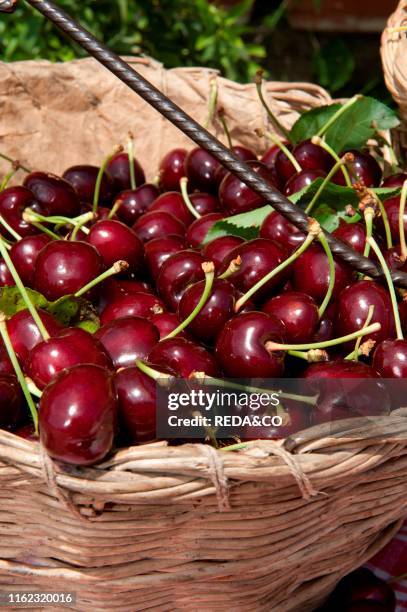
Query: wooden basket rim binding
[394, 56]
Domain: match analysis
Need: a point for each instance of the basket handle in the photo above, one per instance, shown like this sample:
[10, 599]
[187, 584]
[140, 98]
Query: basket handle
[196, 132]
[394, 59]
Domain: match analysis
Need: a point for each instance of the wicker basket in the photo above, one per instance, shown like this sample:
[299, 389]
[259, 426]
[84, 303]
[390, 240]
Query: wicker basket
[272, 527]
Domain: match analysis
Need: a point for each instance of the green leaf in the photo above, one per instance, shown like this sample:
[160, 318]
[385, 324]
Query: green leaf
[12, 302]
[310, 122]
[64, 309]
[329, 218]
[244, 225]
[334, 64]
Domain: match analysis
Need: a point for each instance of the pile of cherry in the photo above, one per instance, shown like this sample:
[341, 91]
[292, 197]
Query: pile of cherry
[177, 308]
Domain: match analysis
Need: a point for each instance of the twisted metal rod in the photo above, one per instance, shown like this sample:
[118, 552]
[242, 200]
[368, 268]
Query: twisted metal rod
[196, 132]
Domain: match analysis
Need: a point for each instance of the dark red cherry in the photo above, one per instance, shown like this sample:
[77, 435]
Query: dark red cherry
[159, 250]
[158, 224]
[138, 304]
[390, 359]
[364, 169]
[24, 254]
[183, 357]
[393, 259]
[200, 168]
[114, 288]
[53, 193]
[275, 227]
[395, 180]
[119, 168]
[283, 166]
[258, 257]
[353, 234]
[270, 156]
[13, 202]
[115, 241]
[63, 267]
[240, 347]
[24, 333]
[217, 310]
[241, 153]
[311, 274]
[392, 206]
[27, 432]
[299, 313]
[311, 156]
[325, 329]
[172, 169]
[302, 179]
[362, 586]
[177, 272]
[166, 322]
[172, 202]
[137, 405]
[296, 417]
[6, 280]
[217, 250]
[11, 402]
[135, 202]
[83, 180]
[128, 339]
[204, 203]
[6, 367]
[70, 347]
[353, 307]
[198, 230]
[78, 415]
[236, 197]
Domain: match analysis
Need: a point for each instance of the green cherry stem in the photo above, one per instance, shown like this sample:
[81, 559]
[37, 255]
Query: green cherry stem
[276, 123]
[10, 230]
[221, 117]
[85, 218]
[130, 154]
[213, 100]
[368, 214]
[13, 161]
[18, 371]
[316, 140]
[9, 175]
[116, 268]
[354, 355]
[331, 263]
[231, 269]
[152, 373]
[277, 141]
[403, 198]
[209, 270]
[45, 230]
[23, 291]
[99, 178]
[392, 291]
[370, 329]
[348, 157]
[183, 183]
[32, 387]
[385, 218]
[314, 230]
[322, 130]
[311, 356]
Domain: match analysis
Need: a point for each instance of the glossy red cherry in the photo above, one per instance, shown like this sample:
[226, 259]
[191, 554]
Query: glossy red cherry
[183, 357]
[199, 229]
[83, 180]
[137, 405]
[172, 202]
[302, 179]
[353, 307]
[11, 402]
[70, 347]
[63, 267]
[325, 329]
[217, 250]
[119, 168]
[240, 347]
[200, 168]
[364, 169]
[204, 203]
[395, 180]
[393, 259]
[172, 169]
[6, 367]
[296, 417]
[24, 333]
[166, 322]
[24, 255]
[27, 432]
[115, 241]
[390, 358]
[275, 227]
[242, 153]
[236, 197]
[299, 313]
[362, 586]
[311, 274]
[310, 157]
[13, 202]
[135, 202]
[283, 166]
[78, 414]
[138, 304]
[128, 339]
[53, 193]
[270, 156]
[353, 234]
[217, 310]
[114, 288]
[158, 224]
[159, 250]
[6, 280]
[177, 272]
[258, 257]
[392, 206]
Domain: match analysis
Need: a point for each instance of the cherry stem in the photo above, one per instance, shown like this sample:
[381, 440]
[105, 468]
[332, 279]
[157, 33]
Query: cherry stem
[114, 209]
[276, 123]
[82, 220]
[370, 329]
[331, 263]
[209, 270]
[13, 161]
[130, 154]
[20, 376]
[354, 355]
[45, 230]
[368, 214]
[23, 291]
[403, 198]
[385, 219]
[313, 231]
[30, 216]
[390, 285]
[221, 116]
[339, 164]
[338, 114]
[324, 145]
[232, 268]
[10, 230]
[9, 175]
[152, 373]
[213, 99]
[116, 268]
[311, 356]
[99, 178]
[183, 183]
[32, 387]
[277, 141]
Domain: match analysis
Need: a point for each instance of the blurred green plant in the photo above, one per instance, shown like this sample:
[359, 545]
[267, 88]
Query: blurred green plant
[175, 32]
